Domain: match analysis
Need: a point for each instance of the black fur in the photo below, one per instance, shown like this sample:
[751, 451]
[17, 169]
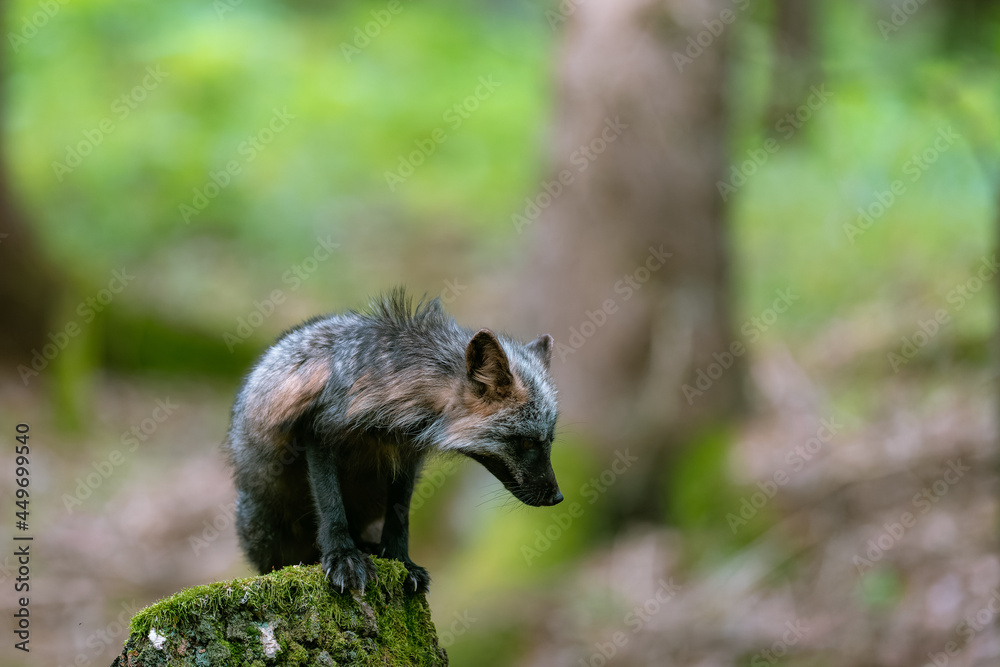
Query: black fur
[331, 427]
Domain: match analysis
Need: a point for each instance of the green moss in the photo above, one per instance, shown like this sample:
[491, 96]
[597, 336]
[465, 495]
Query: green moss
[223, 623]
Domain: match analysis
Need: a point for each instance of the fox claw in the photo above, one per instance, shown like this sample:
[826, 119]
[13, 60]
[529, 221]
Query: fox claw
[418, 577]
[348, 569]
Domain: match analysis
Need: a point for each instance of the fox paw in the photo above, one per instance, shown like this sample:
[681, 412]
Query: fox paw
[417, 579]
[348, 569]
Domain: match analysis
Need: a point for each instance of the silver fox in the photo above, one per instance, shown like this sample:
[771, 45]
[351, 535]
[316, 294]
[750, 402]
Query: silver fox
[330, 429]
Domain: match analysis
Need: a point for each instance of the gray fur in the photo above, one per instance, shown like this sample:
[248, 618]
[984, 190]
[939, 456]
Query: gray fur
[338, 415]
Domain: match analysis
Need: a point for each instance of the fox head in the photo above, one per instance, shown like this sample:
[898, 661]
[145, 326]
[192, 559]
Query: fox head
[510, 414]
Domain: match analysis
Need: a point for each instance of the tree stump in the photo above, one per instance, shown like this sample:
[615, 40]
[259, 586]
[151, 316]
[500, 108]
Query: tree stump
[287, 617]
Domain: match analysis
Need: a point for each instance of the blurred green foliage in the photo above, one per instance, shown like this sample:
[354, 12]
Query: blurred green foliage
[361, 104]
[881, 587]
[184, 89]
[887, 101]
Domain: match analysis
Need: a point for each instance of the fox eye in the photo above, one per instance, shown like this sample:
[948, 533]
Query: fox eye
[530, 442]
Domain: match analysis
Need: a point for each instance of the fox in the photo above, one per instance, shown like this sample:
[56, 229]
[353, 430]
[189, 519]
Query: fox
[331, 426]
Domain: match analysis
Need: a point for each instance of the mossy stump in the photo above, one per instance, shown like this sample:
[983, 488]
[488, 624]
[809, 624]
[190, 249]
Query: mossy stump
[288, 617]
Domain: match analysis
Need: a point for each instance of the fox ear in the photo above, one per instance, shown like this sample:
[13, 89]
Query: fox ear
[487, 366]
[542, 348]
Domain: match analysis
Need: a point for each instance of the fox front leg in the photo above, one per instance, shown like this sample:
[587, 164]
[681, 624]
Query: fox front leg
[346, 567]
[395, 542]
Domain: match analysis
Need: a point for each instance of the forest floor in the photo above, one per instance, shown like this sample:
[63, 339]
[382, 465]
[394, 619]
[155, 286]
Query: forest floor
[878, 495]
[872, 502]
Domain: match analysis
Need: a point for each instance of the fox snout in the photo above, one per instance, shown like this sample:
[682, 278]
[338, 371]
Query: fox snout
[533, 482]
[543, 492]
[554, 498]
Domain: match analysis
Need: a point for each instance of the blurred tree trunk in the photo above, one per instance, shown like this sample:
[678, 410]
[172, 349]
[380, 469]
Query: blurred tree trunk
[639, 141]
[28, 282]
[28, 285]
[796, 57]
